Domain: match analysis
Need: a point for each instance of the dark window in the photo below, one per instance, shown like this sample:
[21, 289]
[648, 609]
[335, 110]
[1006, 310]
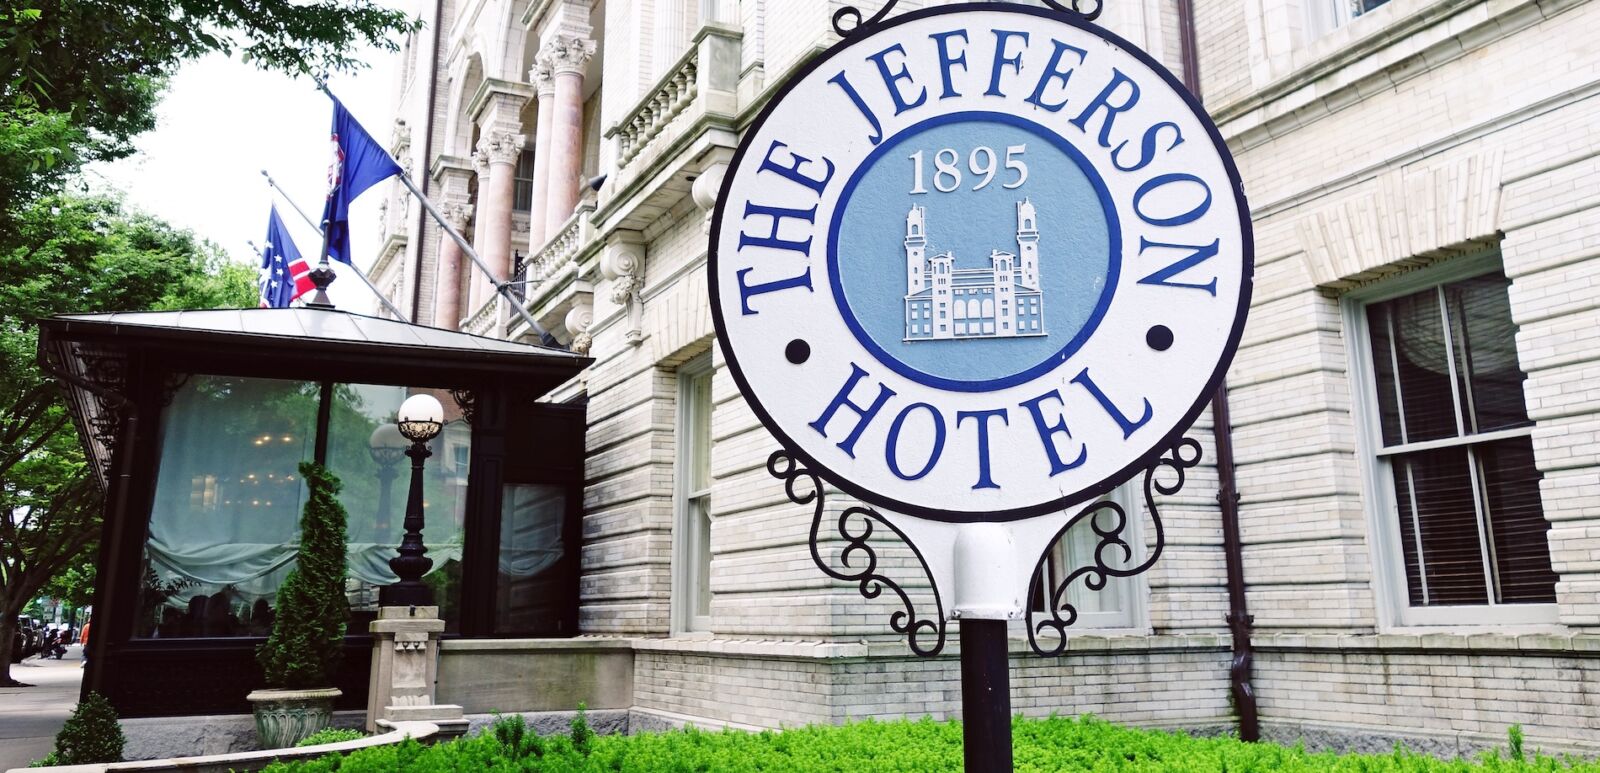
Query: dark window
[1457, 442]
[522, 197]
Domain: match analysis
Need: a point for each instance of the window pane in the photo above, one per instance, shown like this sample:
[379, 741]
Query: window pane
[1075, 549]
[1516, 517]
[225, 519]
[522, 190]
[702, 536]
[376, 478]
[1435, 496]
[1490, 380]
[1383, 361]
[1419, 351]
[529, 594]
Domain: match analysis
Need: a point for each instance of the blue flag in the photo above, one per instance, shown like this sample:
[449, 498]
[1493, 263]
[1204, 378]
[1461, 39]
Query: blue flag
[285, 276]
[359, 163]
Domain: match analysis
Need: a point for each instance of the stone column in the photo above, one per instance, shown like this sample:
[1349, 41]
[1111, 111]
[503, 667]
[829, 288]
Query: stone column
[569, 55]
[671, 36]
[447, 287]
[543, 78]
[476, 282]
[496, 196]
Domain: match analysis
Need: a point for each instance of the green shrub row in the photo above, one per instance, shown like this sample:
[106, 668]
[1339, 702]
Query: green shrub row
[1055, 744]
[332, 735]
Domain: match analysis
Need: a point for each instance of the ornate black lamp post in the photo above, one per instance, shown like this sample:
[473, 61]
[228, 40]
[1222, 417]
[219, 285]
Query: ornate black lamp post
[421, 417]
[387, 447]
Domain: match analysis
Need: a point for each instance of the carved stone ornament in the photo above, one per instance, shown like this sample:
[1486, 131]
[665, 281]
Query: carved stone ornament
[501, 147]
[543, 76]
[457, 214]
[578, 321]
[705, 190]
[569, 53]
[625, 267]
[480, 163]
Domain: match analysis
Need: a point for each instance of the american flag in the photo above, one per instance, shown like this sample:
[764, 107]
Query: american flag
[285, 276]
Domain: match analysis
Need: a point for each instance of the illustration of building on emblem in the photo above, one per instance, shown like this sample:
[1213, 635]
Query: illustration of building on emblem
[1001, 301]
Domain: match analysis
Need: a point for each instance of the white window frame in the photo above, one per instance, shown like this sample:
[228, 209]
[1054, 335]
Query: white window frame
[1134, 616]
[690, 567]
[1382, 511]
[1325, 16]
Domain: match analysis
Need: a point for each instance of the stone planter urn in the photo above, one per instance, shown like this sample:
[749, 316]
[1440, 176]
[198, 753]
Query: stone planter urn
[287, 717]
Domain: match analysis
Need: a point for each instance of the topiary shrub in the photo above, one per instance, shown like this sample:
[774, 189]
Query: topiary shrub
[307, 638]
[91, 735]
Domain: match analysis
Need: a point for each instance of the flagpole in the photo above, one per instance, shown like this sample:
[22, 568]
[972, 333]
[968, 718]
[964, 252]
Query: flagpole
[321, 232]
[503, 288]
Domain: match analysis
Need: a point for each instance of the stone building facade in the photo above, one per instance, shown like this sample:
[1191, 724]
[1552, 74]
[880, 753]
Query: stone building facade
[1410, 404]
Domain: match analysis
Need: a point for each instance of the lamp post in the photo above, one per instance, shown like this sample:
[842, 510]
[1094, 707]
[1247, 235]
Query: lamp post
[420, 419]
[387, 447]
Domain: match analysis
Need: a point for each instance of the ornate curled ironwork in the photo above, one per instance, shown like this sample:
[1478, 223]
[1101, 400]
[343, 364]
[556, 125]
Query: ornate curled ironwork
[467, 401]
[1111, 550]
[856, 525]
[1075, 7]
[849, 22]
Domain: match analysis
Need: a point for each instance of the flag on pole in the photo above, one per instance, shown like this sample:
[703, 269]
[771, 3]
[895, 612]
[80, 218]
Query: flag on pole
[285, 276]
[359, 163]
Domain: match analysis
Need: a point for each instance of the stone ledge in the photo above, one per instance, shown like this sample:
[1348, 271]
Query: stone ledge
[1459, 644]
[255, 760]
[579, 644]
[1087, 644]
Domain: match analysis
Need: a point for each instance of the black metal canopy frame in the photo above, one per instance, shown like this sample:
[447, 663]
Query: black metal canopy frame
[849, 22]
[858, 561]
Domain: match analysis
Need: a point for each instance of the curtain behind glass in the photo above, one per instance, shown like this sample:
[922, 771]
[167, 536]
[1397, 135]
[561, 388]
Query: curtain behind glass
[225, 520]
[375, 485]
[529, 593]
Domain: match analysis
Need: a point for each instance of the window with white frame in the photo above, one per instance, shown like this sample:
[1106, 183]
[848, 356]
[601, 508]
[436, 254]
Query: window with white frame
[1328, 15]
[691, 534]
[1451, 451]
[1117, 604]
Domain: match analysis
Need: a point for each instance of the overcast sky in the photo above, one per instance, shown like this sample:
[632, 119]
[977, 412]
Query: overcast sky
[221, 122]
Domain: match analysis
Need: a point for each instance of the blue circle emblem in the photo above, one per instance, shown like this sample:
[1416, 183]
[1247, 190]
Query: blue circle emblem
[966, 249]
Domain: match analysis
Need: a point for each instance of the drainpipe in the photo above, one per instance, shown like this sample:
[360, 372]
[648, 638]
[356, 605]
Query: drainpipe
[1239, 619]
[427, 156]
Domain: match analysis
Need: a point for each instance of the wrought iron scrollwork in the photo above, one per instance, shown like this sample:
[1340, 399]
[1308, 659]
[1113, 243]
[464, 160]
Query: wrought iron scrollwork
[849, 22]
[856, 526]
[467, 401]
[1112, 550]
[856, 26]
[1076, 8]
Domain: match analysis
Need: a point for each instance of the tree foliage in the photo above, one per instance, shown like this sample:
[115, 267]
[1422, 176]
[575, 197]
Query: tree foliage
[75, 254]
[91, 735]
[308, 635]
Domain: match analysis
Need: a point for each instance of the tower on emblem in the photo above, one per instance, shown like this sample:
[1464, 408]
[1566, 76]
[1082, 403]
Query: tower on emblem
[1000, 301]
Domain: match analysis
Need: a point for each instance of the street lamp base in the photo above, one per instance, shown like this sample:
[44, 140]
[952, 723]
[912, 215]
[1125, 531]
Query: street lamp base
[405, 594]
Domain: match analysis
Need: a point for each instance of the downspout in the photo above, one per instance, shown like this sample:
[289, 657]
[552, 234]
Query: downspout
[427, 157]
[1239, 619]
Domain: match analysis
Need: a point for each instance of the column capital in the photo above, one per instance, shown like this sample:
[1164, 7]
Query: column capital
[569, 53]
[480, 162]
[456, 213]
[543, 76]
[500, 147]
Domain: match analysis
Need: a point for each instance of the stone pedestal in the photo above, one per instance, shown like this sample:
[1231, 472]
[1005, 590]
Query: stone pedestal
[405, 662]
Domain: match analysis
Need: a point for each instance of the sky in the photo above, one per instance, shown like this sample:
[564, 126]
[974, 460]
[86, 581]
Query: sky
[221, 122]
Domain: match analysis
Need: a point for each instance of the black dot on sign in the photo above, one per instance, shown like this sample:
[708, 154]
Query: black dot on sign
[1159, 338]
[797, 351]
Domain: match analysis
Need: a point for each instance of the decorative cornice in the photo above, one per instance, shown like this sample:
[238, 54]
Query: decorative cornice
[493, 87]
[568, 54]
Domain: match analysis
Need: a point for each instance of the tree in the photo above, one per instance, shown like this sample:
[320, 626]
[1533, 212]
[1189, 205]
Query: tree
[75, 254]
[307, 638]
[79, 79]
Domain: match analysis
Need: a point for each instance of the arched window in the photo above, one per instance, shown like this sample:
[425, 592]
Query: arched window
[988, 307]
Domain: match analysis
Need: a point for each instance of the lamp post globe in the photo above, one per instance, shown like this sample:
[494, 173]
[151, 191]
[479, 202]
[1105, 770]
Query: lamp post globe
[419, 420]
[387, 447]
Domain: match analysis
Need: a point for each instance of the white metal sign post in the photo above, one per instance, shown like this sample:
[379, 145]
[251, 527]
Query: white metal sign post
[978, 265]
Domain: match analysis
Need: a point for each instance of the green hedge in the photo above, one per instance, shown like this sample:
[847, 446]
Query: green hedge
[1055, 744]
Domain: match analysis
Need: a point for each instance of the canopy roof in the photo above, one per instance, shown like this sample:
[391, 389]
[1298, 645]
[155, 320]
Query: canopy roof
[91, 354]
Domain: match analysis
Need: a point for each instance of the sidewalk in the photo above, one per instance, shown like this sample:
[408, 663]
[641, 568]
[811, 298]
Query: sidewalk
[30, 716]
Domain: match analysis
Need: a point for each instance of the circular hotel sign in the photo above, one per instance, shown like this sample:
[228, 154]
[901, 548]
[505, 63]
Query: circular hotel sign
[980, 263]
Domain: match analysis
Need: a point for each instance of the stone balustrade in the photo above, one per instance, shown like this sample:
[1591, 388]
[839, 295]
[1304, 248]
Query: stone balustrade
[702, 83]
[488, 320]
